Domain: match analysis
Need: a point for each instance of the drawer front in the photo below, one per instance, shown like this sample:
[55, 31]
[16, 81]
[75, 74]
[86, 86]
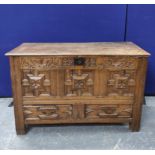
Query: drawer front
[48, 112]
[107, 111]
[72, 113]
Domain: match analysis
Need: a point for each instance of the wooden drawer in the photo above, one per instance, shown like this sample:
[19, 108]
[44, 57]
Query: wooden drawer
[48, 112]
[105, 111]
[71, 113]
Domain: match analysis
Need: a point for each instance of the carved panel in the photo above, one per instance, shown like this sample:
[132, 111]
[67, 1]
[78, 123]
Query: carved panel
[36, 83]
[69, 61]
[98, 62]
[53, 62]
[79, 82]
[115, 62]
[39, 63]
[91, 62]
[101, 111]
[121, 83]
[48, 112]
[37, 79]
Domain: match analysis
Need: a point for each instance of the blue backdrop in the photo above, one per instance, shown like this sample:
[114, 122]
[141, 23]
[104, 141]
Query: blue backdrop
[141, 30]
[74, 23]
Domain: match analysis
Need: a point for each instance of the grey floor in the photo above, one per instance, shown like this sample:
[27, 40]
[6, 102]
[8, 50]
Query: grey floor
[83, 137]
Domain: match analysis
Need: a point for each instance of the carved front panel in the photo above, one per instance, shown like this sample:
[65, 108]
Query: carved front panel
[39, 63]
[54, 62]
[121, 83]
[48, 112]
[104, 62]
[79, 82]
[36, 83]
[59, 76]
[102, 111]
[119, 62]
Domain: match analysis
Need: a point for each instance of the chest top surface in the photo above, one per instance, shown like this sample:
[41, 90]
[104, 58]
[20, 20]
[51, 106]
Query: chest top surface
[98, 48]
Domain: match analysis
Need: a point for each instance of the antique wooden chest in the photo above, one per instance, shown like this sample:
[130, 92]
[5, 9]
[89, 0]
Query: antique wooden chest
[77, 83]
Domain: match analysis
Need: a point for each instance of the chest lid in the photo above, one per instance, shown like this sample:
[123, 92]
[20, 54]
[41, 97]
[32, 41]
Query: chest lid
[91, 48]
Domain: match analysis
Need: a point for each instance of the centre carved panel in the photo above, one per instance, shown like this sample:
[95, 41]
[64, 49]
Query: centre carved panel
[79, 83]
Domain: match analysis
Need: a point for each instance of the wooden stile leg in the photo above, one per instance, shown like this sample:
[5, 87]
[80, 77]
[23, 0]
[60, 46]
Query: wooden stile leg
[17, 95]
[139, 93]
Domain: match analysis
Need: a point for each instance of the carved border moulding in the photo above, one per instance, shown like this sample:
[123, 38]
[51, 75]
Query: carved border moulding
[39, 63]
[48, 112]
[35, 83]
[101, 111]
[121, 83]
[67, 61]
[90, 61]
[78, 83]
[120, 62]
[52, 62]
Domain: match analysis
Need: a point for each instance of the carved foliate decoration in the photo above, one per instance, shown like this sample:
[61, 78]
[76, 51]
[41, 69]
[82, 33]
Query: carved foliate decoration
[101, 111]
[78, 83]
[53, 62]
[120, 62]
[35, 83]
[121, 83]
[58, 62]
[48, 112]
[67, 61]
[39, 63]
[90, 62]
[78, 80]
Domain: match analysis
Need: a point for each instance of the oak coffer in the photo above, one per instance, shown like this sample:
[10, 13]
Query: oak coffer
[56, 83]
